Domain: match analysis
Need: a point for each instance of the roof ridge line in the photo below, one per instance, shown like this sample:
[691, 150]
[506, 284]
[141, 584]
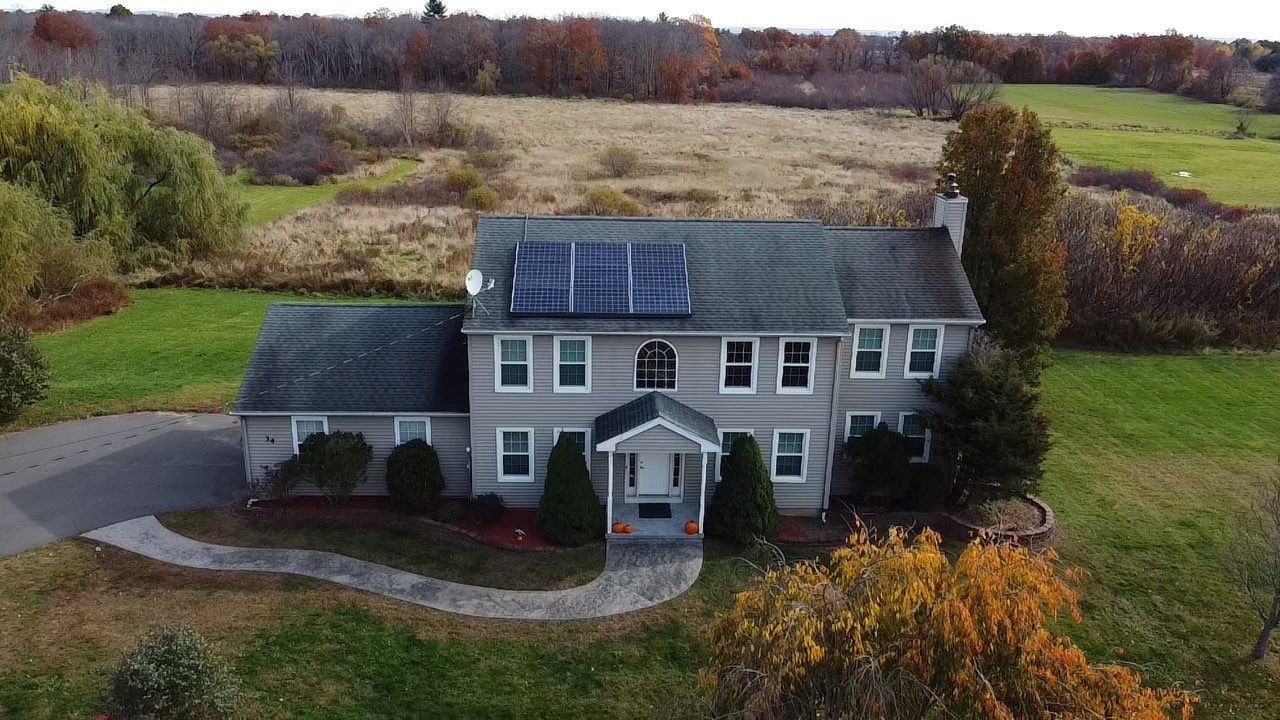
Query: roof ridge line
[613, 218]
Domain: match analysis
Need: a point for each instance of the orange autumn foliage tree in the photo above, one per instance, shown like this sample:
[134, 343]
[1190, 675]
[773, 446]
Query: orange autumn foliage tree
[895, 629]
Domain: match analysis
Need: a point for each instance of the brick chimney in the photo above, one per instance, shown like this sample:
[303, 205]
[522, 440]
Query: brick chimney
[950, 209]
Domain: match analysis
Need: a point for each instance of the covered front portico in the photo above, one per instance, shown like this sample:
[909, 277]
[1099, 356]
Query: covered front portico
[660, 453]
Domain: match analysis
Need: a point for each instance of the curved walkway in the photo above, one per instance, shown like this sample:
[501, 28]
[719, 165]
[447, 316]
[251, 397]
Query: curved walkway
[635, 576]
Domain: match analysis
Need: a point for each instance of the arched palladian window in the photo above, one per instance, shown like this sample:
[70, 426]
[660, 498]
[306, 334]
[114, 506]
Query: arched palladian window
[656, 366]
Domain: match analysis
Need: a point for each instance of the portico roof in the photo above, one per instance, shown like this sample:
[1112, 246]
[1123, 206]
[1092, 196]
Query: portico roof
[655, 410]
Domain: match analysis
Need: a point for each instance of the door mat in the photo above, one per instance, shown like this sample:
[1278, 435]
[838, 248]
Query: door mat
[651, 511]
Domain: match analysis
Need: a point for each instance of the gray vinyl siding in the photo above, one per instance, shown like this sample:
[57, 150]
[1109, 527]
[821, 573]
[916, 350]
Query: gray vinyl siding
[612, 384]
[889, 397]
[270, 441]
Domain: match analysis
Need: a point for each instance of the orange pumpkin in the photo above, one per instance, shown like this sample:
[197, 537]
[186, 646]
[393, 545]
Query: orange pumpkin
[691, 528]
[626, 529]
[617, 527]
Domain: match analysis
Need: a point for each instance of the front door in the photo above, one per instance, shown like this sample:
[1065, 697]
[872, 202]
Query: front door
[653, 474]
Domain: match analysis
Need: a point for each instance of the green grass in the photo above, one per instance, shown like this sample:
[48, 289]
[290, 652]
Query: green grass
[452, 559]
[1154, 457]
[171, 349]
[272, 202]
[1163, 133]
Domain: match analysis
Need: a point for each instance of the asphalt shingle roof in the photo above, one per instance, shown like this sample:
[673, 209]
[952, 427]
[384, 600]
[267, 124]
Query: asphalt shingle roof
[357, 358]
[650, 407]
[901, 274]
[745, 276]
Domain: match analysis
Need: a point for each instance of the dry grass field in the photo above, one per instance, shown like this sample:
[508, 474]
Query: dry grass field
[720, 160]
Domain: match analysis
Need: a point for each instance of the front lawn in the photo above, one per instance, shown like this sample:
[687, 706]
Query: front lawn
[457, 559]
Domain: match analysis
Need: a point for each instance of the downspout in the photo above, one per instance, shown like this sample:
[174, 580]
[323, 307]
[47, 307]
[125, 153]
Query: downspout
[244, 446]
[831, 425]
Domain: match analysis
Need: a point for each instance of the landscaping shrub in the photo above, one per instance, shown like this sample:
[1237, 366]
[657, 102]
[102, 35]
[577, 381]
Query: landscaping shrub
[449, 511]
[608, 201]
[280, 480]
[414, 482]
[462, 179]
[743, 508]
[619, 161]
[881, 461]
[24, 376]
[569, 512]
[926, 487]
[305, 160]
[172, 675]
[486, 509]
[989, 425]
[336, 462]
[480, 198]
[86, 300]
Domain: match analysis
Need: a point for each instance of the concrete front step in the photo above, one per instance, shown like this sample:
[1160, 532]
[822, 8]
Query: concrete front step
[639, 538]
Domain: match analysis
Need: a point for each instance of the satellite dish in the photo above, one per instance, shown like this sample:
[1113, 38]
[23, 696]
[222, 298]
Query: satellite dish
[475, 281]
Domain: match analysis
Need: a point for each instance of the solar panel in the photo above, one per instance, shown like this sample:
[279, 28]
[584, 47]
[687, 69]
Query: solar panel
[600, 279]
[597, 278]
[542, 278]
[659, 281]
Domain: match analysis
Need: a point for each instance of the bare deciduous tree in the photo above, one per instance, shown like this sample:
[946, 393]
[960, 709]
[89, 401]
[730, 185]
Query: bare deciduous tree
[406, 110]
[1254, 561]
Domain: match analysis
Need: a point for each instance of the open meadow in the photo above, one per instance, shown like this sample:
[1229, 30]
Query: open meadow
[1124, 128]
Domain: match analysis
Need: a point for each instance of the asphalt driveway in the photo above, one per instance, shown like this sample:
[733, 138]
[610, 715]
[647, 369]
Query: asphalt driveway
[66, 479]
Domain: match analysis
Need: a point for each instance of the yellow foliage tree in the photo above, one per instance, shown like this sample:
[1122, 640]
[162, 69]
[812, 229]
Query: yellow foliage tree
[1133, 235]
[894, 629]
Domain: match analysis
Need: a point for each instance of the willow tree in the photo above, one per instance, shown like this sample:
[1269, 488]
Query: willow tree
[28, 224]
[147, 191]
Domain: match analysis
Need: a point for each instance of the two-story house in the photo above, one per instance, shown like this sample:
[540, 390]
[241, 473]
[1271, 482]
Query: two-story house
[655, 342]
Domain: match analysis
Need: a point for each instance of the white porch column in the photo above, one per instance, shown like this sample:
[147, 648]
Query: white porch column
[702, 496]
[608, 500]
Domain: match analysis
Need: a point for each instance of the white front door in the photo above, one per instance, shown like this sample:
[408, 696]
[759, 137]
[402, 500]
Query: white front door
[653, 474]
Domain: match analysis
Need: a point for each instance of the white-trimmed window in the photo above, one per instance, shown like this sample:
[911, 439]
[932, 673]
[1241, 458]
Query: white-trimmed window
[512, 363]
[790, 455]
[739, 362]
[573, 364]
[911, 425]
[857, 424]
[870, 351]
[795, 365]
[924, 351]
[656, 366]
[413, 428]
[582, 436]
[304, 426]
[515, 454]
[727, 439]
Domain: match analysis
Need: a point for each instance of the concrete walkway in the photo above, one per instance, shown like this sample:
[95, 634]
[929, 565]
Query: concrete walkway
[635, 576]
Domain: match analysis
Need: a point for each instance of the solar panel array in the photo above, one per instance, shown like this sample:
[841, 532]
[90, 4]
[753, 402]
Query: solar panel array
[594, 278]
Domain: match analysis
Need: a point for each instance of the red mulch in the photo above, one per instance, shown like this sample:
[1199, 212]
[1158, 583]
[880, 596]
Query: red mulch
[501, 533]
[88, 300]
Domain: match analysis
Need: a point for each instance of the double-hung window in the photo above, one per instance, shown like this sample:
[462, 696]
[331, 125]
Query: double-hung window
[306, 426]
[515, 455]
[870, 351]
[790, 455]
[582, 436]
[513, 364]
[738, 364]
[924, 351]
[413, 428]
[573, 364]
[795, 365]
[911, 425]
[727, 439]
[857, 424]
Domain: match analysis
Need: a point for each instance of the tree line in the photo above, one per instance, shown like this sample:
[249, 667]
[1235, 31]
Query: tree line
[668, 59]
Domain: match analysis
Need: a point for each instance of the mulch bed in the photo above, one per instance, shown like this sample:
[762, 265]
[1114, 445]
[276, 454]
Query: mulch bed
[377, 510]
[1025, 520]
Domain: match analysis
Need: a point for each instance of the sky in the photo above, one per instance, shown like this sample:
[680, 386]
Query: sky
[1244, 18]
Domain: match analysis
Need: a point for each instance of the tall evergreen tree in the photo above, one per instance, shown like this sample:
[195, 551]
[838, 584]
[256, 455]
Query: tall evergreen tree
[569, 512]
[1008, 167]
[434, 10]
